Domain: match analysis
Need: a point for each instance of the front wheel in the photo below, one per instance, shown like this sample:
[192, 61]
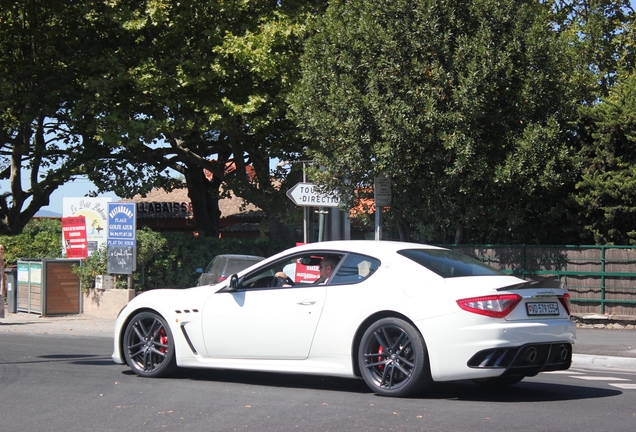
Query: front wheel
[148, 345]
[393, 359]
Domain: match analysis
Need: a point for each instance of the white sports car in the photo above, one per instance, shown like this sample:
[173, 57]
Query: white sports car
[399, 315]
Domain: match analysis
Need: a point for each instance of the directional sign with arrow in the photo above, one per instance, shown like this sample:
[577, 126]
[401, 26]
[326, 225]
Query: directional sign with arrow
[304, 194]
[74, 230]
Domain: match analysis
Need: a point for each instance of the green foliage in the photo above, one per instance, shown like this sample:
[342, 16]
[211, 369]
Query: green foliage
[603, 58]
[46, 51]
[92, 266]
[41, 238]
[461, 103]
[164, 260]
[175, 266]
[485, 114]
[207, 81]
[600, 34]
[150, 244]
[607, 189]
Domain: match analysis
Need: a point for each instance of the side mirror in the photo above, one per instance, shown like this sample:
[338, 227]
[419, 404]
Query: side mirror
[231, 284]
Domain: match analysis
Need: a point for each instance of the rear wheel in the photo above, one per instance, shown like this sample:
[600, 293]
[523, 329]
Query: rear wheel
[149, 346]
[393, 359]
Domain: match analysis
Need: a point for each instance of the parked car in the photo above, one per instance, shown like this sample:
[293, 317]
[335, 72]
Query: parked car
[223, 266]
[399, 315]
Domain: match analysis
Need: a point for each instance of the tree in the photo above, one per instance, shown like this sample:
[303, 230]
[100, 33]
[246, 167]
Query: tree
[607, 189]
[461, 103]
[47, 52]
[201, 86]
[601, 33]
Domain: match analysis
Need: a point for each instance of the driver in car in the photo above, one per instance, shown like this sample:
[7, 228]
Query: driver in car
[327, 264]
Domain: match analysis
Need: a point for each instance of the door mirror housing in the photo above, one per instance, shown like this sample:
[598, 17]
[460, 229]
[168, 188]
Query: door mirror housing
[231, 284]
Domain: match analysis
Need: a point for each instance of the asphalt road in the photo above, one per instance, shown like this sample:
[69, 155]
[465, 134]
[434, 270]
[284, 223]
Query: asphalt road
[59, 376]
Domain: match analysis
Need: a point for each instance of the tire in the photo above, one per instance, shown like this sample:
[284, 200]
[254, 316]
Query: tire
[499, 382]
[393, 359]
[149, 346]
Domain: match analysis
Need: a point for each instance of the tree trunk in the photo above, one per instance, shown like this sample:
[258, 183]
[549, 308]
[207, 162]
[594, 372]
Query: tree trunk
[204, 195]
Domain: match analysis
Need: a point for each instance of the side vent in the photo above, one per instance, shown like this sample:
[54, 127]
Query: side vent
[187, 338]
[187, 311]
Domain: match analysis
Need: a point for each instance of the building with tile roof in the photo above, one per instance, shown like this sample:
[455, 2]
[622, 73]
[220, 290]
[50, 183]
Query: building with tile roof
[164, 211]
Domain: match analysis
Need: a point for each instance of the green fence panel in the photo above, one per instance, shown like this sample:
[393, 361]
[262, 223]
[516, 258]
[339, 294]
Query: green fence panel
[601, 279]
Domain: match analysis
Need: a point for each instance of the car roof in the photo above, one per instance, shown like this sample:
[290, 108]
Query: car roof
[240, 256]
[364, 246]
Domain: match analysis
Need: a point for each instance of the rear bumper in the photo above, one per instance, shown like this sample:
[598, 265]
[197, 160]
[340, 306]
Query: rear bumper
[526, 360]
[481, 347]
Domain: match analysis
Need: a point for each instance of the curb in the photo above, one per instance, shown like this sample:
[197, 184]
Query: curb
[598, 321]
[603, 362]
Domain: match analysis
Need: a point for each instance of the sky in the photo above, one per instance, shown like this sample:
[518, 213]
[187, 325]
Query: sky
[78, 188]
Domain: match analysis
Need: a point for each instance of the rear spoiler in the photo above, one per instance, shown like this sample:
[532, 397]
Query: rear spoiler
[545, 283]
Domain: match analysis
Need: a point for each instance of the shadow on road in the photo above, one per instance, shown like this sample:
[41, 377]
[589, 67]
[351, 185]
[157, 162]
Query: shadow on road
[275, 380]
[526, 391]
[522, 392]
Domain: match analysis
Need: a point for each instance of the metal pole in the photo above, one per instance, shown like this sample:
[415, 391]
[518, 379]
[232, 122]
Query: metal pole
[378, 223]
[305, 209]
[321, 224]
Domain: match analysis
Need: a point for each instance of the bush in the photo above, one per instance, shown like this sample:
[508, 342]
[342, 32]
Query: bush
[92, 266]
[164, 260]
[175, 264]
[41, 238]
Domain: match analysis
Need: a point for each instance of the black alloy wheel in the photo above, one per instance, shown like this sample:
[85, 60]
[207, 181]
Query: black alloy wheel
[149, 346]
[393, 358]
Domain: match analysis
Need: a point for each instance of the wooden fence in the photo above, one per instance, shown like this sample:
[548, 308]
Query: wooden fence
[601, 279]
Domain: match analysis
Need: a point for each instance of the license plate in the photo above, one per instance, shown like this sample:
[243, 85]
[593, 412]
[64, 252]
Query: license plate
[535, 309]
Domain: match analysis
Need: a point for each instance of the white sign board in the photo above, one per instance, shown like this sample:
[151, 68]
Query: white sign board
[95, 210]
[304, 194]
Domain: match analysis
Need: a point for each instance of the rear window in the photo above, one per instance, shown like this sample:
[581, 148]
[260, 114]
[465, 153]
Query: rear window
[449, 264]
[236, 265]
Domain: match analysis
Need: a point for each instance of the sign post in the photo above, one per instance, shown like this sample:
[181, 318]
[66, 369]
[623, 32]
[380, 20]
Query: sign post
[305, 195]
[122, 243]
[381, 197]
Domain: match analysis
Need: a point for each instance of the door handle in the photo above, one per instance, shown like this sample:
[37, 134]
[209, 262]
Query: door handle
[307, 302]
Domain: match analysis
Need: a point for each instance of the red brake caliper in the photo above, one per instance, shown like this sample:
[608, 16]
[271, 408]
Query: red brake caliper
[380, 351]
[163, 339]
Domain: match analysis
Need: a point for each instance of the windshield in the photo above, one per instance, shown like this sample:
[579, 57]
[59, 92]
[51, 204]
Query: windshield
[448, 264]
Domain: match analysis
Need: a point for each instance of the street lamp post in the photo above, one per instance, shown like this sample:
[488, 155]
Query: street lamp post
[305, 208]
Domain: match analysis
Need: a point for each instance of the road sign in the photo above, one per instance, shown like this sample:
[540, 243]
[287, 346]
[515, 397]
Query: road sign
[121, 260]
[122, 224]
[74, 230]
[304, 194]
[382, 191]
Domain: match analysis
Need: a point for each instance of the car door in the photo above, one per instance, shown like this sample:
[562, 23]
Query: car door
[263, 322]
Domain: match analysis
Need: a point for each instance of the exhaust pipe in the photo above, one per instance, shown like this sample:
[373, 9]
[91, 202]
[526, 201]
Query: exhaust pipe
[529, 355]
[563, 352]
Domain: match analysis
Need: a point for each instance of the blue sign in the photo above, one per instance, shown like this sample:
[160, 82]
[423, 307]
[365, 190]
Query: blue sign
[122, 224]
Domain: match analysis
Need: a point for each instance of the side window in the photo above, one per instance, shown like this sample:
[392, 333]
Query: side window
[280, 274]
[355, 268]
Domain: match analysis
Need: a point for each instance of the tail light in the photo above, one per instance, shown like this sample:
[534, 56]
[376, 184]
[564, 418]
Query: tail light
[496, 306]
[565, 301]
